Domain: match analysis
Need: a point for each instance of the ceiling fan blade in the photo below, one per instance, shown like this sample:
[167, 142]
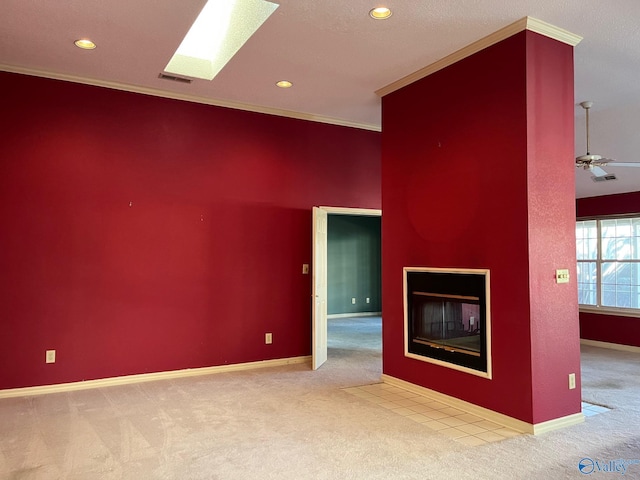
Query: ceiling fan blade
[624, 164]
[603, 162]
[597, 171]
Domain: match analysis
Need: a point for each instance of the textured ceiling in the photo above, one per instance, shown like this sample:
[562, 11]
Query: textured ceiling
[336, 55]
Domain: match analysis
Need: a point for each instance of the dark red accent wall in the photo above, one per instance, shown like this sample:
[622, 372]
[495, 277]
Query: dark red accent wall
[142, 234]
[620, 204]
[595, 326]
[466, 153]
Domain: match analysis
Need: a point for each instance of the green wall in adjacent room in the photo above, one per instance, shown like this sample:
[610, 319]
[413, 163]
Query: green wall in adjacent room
[353, 264]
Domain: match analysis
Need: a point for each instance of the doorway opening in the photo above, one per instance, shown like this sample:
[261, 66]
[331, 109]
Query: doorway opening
[346, 279]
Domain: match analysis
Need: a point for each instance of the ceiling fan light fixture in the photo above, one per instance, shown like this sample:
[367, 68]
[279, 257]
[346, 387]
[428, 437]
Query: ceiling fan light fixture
[380, 13]
[590, 161]
[590, 157]
[85, 44]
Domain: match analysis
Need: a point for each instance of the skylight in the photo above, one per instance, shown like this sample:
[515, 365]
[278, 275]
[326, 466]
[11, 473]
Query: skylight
[222, 27]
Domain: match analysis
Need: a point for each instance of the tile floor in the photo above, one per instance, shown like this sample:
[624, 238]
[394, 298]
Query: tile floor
[457, 424]
[589, 410]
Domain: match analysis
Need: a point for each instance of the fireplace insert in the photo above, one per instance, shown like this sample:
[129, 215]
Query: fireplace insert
[447, 318]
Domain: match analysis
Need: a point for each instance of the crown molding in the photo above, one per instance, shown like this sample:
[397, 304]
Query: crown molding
[189, 98]
[551, 31]
[526, 23]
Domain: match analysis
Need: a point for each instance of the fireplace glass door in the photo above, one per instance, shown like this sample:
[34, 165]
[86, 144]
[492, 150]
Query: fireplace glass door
[447, 321]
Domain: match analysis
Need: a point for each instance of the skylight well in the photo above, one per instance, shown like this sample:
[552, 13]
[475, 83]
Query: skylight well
[220, 30]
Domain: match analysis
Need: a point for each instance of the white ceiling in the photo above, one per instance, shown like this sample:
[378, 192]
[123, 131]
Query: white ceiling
[336, 56]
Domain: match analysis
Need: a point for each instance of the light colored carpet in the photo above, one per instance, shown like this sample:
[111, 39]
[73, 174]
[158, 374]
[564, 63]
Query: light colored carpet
[293, 423]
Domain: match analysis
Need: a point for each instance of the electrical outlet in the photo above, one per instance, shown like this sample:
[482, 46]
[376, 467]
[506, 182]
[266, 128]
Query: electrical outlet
[268, 338]
[572, 381]
[353, 301]
[50, 356]
[305, 269]
[368, 300]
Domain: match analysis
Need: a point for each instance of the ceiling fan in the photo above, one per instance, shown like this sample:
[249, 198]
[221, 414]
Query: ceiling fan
[594, 162]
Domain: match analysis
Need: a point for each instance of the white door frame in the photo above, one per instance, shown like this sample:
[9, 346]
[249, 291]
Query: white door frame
[319, 286]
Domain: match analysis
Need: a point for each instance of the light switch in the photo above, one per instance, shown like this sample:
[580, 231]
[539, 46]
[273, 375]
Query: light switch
[305, 269]
[562, 276]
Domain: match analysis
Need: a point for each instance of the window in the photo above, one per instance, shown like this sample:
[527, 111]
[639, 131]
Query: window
[608, 254]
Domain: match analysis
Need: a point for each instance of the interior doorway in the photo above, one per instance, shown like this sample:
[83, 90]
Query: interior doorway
[320, 278]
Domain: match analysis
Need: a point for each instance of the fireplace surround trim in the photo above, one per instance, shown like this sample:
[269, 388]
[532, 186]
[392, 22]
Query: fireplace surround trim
[487, 320]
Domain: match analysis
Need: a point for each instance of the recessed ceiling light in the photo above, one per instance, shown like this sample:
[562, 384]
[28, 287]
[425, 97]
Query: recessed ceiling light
[284, 84]
[85, 44]
[380, 13]
[221, 28]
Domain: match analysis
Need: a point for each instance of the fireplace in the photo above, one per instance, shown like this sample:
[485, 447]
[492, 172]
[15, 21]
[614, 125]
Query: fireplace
[447, 318]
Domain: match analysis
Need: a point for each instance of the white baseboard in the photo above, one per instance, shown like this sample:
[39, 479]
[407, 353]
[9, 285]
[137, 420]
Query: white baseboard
[557, 423]
[359, 314]
[495, 417]
[611, 346]
[148, 377]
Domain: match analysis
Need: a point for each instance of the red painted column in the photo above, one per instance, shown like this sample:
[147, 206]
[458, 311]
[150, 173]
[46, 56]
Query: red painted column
[477, 172]
[555, 332]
